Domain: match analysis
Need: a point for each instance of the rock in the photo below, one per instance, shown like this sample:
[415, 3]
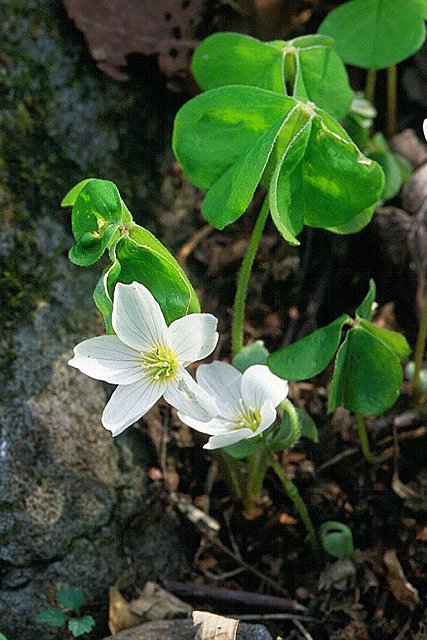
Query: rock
[184, 630]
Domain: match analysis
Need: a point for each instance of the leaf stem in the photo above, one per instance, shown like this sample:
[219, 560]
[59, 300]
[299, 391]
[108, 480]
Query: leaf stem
[243, 280]
[298, 503]
[364, 441]
[391, 100]
[371, 78]
[419, 351]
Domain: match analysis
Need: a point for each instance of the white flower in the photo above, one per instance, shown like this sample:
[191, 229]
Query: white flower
[146, 358]
[246, 403]
[425, 128]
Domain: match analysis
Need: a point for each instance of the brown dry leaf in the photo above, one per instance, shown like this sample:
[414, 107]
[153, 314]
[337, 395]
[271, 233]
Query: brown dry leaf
[213, 627]
[155, 603]
[339, 575]
[120, 616]
[115, 29]
[422, 534]
[402, 590]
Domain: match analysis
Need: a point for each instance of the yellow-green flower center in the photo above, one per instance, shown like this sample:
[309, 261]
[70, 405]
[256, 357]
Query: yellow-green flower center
[249, 418]
[160, 364]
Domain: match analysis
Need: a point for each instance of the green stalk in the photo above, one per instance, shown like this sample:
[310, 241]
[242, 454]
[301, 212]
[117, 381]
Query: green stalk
[231, 471]
[257, 468]
[391, 100]
[298, 502]
[364, 441]
[419, 351]
[371, 78]
[243, 280]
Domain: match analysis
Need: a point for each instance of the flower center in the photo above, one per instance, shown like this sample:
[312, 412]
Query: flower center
[160, 364]
[249, 418]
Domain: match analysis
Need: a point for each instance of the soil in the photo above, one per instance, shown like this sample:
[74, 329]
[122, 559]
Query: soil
[73, 122]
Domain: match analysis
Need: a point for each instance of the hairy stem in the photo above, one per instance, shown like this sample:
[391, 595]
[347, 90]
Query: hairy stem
[243, 280]
[391, 100]
[257, 468]
[231, 471]
[371, 78]
[419, 351]
[298, 502]
[364, 441]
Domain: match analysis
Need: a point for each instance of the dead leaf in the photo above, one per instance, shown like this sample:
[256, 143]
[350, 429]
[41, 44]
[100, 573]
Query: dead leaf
[402, 590]
[422, 534]
[114, 29]
[119, 615]
[155, 603]
[213, 627]
[338, 575]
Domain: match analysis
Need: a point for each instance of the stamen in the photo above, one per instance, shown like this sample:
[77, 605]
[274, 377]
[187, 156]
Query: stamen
[161, 363]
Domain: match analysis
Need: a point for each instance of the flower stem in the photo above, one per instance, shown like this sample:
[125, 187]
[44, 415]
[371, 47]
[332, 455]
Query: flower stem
[257, 468]
[419, 351]
[243, 280]
[371, 78]
[364, 441]
[298, 502]
[231, 471]
[391, 100]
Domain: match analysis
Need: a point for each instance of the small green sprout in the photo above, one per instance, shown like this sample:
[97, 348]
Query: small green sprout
[336, 539]
[69, 611]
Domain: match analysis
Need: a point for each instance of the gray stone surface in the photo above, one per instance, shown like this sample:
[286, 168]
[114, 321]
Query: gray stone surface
[73, 501]
[184, 630]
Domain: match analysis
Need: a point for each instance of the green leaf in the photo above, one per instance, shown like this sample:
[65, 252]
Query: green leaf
[364, 310]
[337, 181]
[308, 64]
[374, 34]
[395, 341]
[395, 167]
[309, 356]
[243, 448]
[223, 139]
[101, 221]
[367, 375]
[2, 636]
[80, 626]
[337, 539]
[287, 210]
[53, 617]
[321, 76]
[143, 258]
[69, 199]
[254, 353]
[98, 212]
[233, 58]
[230, 139]
[71, 598]
[355, 224]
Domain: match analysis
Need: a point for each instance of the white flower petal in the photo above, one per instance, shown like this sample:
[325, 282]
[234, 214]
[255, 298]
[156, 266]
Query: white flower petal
[259, 385]
[213, 427]
[107, 358]
[225, 439]
[425, 128]
[137, 317]
[129, 403]
[193, 337]
[268, 416]
[222, 381]
[187, 396]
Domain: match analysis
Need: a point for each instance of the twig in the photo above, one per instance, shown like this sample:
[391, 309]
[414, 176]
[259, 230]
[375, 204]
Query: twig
[219, 594]
[340, 456]
[192, 243]
[302, 629]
